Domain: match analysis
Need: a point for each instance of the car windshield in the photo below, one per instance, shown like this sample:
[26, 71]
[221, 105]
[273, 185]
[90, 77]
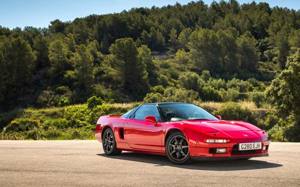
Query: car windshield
[183, 111]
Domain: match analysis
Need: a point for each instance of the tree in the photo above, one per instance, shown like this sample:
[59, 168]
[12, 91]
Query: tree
[40, 45]
[145, 57]
[228, 51]
[214, 51]
[59, 57]
[17, 62]
[190, 81]
[83, 72]
[173, 38]
[132, 71]
[183, 37]
[284, 90]
[154, 39]
[294, 39]
[282, 48]
[205, 50]
[57, 26]
[247, 53]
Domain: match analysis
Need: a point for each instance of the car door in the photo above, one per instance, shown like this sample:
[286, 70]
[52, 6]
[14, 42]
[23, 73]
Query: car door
[143, 135]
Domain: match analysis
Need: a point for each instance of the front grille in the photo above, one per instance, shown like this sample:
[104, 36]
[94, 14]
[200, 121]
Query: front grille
[235, 151]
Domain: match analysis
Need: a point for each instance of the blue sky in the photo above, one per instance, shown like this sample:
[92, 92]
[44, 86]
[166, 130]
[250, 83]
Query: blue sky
[39, 13]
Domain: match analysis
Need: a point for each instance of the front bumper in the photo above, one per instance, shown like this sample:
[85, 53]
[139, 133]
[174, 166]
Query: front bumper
[205, 150]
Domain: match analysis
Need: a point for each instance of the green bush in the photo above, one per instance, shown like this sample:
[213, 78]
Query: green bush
[230, 94]
[34, 134]
[232, 111]
[240, 85]
[158, 89]
[52, 134]
[61, 96]
[179, 95]
[22, 124]
[153, 97]
[258, 98]
[92, 102]
[172, 94]
[76, 113]
[278, 131]
[59, 123]
[205, 75]
[268, 120]
[208, 93]
[217, 83]
[190, 81]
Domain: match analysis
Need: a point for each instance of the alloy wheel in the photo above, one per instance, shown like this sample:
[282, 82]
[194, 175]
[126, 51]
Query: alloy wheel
[178, 148]
[108, 141]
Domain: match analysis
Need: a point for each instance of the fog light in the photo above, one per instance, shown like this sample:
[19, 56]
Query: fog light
[221, 150]
[264, 148]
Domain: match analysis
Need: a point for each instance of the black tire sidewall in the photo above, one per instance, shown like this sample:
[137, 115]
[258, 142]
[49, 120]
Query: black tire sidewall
[187, 159]
[114, 150]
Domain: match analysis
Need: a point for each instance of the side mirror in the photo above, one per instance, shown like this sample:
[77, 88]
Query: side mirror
[151, 119]
[219, 117]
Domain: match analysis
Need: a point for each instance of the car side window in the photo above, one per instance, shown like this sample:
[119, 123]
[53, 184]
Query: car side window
[129, 113]
[147, 110]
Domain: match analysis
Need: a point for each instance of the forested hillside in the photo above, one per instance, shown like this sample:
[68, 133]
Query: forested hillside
[223, 52]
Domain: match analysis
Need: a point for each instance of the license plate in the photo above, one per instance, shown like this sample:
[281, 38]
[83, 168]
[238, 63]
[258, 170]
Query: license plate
[249, 146]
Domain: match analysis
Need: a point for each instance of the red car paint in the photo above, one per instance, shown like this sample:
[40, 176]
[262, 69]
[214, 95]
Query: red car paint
[145, 136]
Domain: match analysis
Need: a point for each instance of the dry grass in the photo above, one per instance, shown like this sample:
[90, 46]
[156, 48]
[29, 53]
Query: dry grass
[245, 104]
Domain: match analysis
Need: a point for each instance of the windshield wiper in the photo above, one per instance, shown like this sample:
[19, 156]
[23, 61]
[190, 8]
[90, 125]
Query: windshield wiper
[198, 119]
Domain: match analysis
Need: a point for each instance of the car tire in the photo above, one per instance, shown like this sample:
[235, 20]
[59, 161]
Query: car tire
[177, 148]
[109, 143]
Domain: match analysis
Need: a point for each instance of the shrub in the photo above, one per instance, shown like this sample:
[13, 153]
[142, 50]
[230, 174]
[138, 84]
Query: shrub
[205, 75]
[232, 111]
[180, 95]
[278, 131]
[217, 83]
[230, 94]
[61, 96]
[59, 123]
[292, 133]
[190, 81]
[208, 93]
[158, 89]
[46, 98]
[22, 124]
[92, 102]
[153, 97]
[258, 98]
[63, 101]
[34, 134]
[240, 85]
[268, 121]
[75, 114]
[52, 134]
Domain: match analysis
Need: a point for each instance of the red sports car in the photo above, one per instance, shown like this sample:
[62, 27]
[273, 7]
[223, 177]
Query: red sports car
[180, 131]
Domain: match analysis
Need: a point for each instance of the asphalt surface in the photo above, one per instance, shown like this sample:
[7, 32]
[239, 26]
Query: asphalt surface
[82, 163]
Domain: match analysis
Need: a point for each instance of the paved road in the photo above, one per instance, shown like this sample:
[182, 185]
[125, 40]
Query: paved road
[82, 163]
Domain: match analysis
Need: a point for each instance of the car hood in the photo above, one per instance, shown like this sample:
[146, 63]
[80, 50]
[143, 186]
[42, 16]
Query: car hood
[232, 129]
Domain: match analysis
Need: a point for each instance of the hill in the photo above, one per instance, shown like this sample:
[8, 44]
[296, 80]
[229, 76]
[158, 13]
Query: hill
[223, 52]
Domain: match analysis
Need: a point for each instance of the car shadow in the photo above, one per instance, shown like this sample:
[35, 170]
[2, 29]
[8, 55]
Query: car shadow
[211, 165]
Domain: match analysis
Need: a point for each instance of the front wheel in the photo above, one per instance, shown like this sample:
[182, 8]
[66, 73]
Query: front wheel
[109, 143]
[177, 148]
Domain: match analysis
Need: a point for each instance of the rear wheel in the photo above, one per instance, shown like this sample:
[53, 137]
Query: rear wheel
[177, 148]
[109, 143]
